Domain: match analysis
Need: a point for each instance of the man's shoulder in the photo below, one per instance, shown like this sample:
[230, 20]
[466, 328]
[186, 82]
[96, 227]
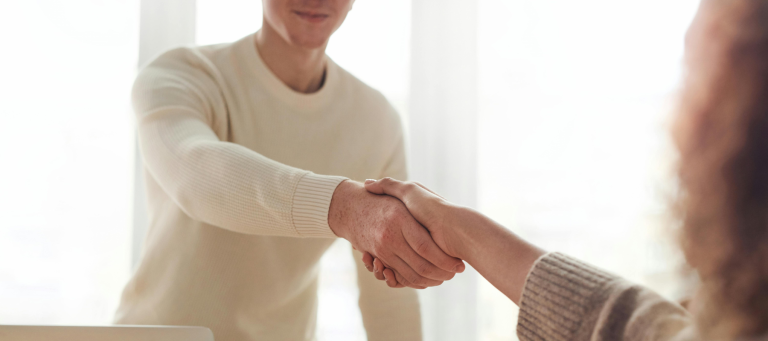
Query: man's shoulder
[182, 76]
[193, 68]
[185, 57]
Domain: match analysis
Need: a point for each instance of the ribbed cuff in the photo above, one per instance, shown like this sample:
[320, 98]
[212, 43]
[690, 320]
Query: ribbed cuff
[311, 202]
[559, 296]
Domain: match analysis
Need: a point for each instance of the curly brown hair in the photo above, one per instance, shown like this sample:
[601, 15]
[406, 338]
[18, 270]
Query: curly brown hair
[722, 135]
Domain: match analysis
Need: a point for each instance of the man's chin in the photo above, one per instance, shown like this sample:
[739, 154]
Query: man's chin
[310, 41]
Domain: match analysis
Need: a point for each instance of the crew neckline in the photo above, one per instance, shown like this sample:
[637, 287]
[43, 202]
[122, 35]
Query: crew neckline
[298, 101]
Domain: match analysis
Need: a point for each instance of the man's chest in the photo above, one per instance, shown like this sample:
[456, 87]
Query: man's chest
[330, 143]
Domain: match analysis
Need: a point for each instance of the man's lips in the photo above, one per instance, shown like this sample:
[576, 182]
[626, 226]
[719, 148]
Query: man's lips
[312, 17]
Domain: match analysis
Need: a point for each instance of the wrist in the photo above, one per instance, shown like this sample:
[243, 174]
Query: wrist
[476, 233]
[499, 255]
[339, 210]
[468, 233]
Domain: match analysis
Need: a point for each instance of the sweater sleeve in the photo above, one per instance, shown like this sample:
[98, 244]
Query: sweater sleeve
[178, 105]
[565, 299]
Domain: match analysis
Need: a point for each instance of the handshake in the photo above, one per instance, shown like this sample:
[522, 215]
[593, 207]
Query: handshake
[406, 232]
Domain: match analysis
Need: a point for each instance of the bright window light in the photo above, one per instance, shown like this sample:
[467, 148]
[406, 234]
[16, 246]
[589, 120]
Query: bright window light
[66, 150]
[575, 102]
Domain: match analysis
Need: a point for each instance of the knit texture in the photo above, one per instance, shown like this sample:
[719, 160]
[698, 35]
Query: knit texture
[240, 173]
[565, 299]
[311, 200]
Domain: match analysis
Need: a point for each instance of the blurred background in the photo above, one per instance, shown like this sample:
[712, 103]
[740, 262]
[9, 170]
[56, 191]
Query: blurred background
[556, 114]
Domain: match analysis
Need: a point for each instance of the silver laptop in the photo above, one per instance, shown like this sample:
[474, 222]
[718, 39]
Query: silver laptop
[104, 333]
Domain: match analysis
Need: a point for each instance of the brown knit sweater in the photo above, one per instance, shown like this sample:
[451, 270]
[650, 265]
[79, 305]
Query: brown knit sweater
[567, 300]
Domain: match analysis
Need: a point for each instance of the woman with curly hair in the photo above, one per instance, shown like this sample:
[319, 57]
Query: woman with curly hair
[721, 133]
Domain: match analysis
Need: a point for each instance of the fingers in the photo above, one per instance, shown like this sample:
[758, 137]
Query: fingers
[428, 190]
[382, 273]
[376, 266]
[395, 280]
[424, 268]
[404, 282]
[409, 276]
[368, 261]
[391, 279]
[378, 269]
[395, 188]
[439, 265]
[388, 275]
[386, 186]
[409, 251]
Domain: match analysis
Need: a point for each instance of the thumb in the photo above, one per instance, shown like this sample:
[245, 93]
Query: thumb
[386, 186]
[373, 186]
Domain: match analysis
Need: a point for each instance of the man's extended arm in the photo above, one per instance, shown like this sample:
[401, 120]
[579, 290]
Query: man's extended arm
[235, 188]
[178, 108]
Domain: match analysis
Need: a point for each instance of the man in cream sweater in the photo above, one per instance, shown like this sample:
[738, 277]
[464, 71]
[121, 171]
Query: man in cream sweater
[253, 154]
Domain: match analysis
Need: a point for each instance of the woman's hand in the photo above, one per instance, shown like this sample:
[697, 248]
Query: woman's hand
[503, 258]
[383, 226]
[437, 215]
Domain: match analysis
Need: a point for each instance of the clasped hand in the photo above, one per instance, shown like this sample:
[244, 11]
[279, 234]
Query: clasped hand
[383, 228]
[430, 209]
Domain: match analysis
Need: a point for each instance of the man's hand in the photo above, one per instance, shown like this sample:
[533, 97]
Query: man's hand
[430, 209]
[383, 227]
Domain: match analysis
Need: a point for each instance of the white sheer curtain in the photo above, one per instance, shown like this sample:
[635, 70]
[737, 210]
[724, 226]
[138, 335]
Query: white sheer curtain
[66, 155]
[164, 24]
[574, 107]
[443, 140]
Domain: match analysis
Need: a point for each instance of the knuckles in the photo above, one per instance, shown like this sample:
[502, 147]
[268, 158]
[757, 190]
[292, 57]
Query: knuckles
[383, 236]
[422, 247]
[410, 186]
[393, 217]
[424, 269]
[394, 212]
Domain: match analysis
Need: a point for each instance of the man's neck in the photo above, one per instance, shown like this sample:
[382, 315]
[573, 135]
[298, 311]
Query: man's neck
[301, 69]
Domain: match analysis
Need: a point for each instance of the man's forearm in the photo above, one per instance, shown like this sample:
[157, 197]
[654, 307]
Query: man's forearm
[251, 194]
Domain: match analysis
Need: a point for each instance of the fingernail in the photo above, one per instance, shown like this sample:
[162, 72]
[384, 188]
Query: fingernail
[368, 267]
[459, 268]
[385, 277]
[374, 268]
[369, 181]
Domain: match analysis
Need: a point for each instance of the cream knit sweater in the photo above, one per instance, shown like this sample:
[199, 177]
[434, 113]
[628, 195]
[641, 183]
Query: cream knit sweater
[567, 300]
[238, 208]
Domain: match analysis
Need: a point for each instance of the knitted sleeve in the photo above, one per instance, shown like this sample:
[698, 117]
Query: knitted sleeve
[565, 299]
[179, 107]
